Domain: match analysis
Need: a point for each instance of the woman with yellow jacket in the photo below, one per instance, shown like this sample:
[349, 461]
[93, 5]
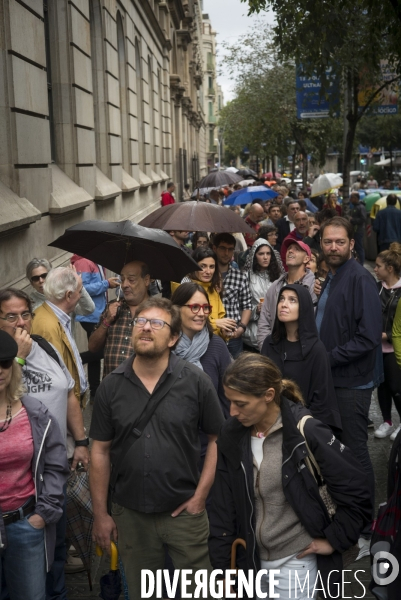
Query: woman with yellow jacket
[209, 278]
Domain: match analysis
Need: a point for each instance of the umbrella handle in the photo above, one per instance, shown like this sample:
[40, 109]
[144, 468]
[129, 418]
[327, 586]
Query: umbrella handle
[113, 555]
[236, 543]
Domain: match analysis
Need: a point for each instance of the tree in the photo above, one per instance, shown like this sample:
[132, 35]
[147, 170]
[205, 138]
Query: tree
[381, 132]
[350, 36]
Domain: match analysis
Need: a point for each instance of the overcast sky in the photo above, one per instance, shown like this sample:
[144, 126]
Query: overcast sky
[229, 19]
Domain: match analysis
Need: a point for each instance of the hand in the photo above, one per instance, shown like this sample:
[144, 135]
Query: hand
[259, 308]
[104, 530]
[111, 312]
[36, 521]
[237, 333]
[228, 326]
[114, 282]
[81, 454]
[317, 546]
[24, 342]
[194, 506]
[79, 275]
[384, 337]
[313, 229]
[317, 288]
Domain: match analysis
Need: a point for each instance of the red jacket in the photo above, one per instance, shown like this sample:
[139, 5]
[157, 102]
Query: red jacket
[167, 198]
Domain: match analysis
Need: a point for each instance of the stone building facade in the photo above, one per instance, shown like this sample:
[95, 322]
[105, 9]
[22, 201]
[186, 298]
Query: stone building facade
[100, 105]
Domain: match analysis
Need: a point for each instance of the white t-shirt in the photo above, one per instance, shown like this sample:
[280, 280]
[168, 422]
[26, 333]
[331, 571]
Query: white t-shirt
[257, 449]
[49, 382]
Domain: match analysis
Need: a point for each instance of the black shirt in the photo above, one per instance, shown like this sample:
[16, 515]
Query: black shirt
[163, 462]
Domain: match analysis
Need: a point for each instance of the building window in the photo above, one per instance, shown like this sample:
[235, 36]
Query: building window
[161, 136]
[152, 140]
[139, 94]
[210, 109]
[49, 83]
[122, 65]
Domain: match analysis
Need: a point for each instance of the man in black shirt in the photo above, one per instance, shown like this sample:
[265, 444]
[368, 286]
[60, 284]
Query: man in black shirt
[159, 497]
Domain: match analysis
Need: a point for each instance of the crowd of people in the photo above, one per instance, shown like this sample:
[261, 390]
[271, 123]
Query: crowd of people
[212, 396]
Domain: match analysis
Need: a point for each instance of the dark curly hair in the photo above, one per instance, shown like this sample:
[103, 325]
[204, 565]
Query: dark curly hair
[273, 269]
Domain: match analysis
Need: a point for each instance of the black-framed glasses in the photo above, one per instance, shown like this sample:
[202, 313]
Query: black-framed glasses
[25, 316]
[35, 278]
[195, 308]
[154, 323]
[6, 364]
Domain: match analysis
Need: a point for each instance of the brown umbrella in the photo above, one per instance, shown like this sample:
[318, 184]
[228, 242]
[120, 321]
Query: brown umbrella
[196, 216]
[218, 178]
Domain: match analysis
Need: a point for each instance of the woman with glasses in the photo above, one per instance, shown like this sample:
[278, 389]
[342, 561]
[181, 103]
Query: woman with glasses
[209, 278]
[262, 268]
[33, 472]
[197, 343]
[36, 272]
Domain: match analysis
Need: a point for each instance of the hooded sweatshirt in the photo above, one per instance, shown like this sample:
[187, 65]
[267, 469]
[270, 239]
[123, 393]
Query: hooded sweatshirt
[306, 361]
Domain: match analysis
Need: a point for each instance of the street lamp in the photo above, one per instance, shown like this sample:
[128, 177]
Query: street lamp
[218, 141]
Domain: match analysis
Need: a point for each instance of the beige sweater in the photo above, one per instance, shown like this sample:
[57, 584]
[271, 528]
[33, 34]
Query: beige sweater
[279, 532]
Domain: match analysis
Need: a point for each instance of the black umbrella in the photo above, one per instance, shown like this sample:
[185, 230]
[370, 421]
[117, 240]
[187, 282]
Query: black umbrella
[219, 178]
[196, 216]
[246, 173]
[110, 584]
[113, 245]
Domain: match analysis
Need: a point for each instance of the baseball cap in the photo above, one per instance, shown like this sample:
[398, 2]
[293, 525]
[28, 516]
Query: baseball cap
[288, 241]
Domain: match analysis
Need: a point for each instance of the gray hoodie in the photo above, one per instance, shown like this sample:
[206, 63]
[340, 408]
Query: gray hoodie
[268, 312]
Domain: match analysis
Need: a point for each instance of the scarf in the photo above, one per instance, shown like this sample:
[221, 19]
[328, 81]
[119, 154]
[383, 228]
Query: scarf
[193, 350]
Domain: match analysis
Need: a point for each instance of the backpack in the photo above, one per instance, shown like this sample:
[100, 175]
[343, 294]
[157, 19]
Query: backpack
[46, 346]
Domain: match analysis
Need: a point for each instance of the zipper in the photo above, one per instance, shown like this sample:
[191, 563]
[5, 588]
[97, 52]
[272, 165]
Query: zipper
[250, 518]
[263, 513]
[293, 450]
[36, 487]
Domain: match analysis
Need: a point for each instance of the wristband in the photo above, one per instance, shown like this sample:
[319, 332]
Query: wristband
[20, 361]
[242, 325]
[84, 442]
[105, 324]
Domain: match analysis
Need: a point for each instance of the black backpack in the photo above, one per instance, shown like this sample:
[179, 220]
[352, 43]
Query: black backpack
[48, 348]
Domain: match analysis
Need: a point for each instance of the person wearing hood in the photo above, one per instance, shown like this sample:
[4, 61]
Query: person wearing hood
[295, 348]
[297, 257]
[36, 272]
[262, 269]
[265, 493]
[388, 271]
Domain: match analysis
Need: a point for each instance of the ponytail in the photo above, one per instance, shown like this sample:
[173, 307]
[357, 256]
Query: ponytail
[392, 258]
[291, 391]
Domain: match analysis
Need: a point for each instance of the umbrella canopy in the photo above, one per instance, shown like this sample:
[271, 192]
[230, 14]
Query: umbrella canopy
[248, 194]
[246, 182]
[196, 216]
[80, 516]
[324, 183]
[219, 178]
[232, 170]
[370, 199]
[203, 191]
[247, 173]
[269, 175]
[113, 245]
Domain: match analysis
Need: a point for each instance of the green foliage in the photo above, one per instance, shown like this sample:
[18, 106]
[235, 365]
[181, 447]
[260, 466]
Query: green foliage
[378, 132]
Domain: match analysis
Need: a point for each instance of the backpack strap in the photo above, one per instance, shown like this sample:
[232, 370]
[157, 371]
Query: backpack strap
[46, 346]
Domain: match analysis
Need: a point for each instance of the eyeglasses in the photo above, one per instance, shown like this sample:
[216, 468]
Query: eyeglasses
[26, 316]
[35, 278]
[154, 323]
[6, 364]
[195, 308]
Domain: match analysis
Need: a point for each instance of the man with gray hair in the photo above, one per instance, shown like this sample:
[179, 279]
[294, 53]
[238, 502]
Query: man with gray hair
[36, 273]
[63, 288]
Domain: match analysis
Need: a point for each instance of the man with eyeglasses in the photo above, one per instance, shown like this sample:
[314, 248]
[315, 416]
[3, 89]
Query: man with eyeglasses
[36, 272]
[237, 297]
[113, 332]
[158, 497]
[47, 378]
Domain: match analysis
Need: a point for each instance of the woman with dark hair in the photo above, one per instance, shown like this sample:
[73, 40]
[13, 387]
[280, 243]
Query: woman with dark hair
[265, 493]
[209, 278]
[295, 348]
[200, 239]
[198, 344]
[262, 269]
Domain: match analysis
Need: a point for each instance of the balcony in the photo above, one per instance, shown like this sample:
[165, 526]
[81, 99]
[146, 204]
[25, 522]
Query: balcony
[212, 119]
[210, 65]
[211, 92]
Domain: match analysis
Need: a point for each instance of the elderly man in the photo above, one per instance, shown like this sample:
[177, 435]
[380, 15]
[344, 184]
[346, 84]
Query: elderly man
[113, 332]
[146, 421]
[254, 217]
[52, 321]
[47, 378]
[286, 224]
[300, 231]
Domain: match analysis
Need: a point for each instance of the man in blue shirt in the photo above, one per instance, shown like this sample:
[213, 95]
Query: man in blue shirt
[387, 224]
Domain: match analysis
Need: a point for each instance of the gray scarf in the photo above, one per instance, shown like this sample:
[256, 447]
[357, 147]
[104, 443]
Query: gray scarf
[193, 350]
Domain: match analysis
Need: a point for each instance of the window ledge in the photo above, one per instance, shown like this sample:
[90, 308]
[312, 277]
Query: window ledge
[15, 212]
[67, 196]
[105, 188]
[144, 180]
[164, 176]
[129, 184]
[155, 177]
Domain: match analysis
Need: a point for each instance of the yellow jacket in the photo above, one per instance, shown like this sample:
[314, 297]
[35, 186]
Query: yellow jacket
[218, 310]
[396, 334]
[46, 324]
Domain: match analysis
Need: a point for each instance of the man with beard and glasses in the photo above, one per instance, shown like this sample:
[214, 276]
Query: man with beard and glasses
[158, 497]
[349, 319]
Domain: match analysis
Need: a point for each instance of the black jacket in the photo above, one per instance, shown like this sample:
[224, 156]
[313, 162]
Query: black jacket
[313, 242]
[389, 301]
[358, 216]
[283, 229]
[306, 362]
[351, 325]
[232, 508]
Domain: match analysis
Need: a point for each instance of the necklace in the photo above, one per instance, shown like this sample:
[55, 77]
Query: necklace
[8, 418]
[262, 434]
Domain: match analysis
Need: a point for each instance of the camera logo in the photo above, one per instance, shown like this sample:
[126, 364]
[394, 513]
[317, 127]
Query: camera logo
[385, 568]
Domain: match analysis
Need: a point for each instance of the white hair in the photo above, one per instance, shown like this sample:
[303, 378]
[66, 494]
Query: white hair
[58, 282]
